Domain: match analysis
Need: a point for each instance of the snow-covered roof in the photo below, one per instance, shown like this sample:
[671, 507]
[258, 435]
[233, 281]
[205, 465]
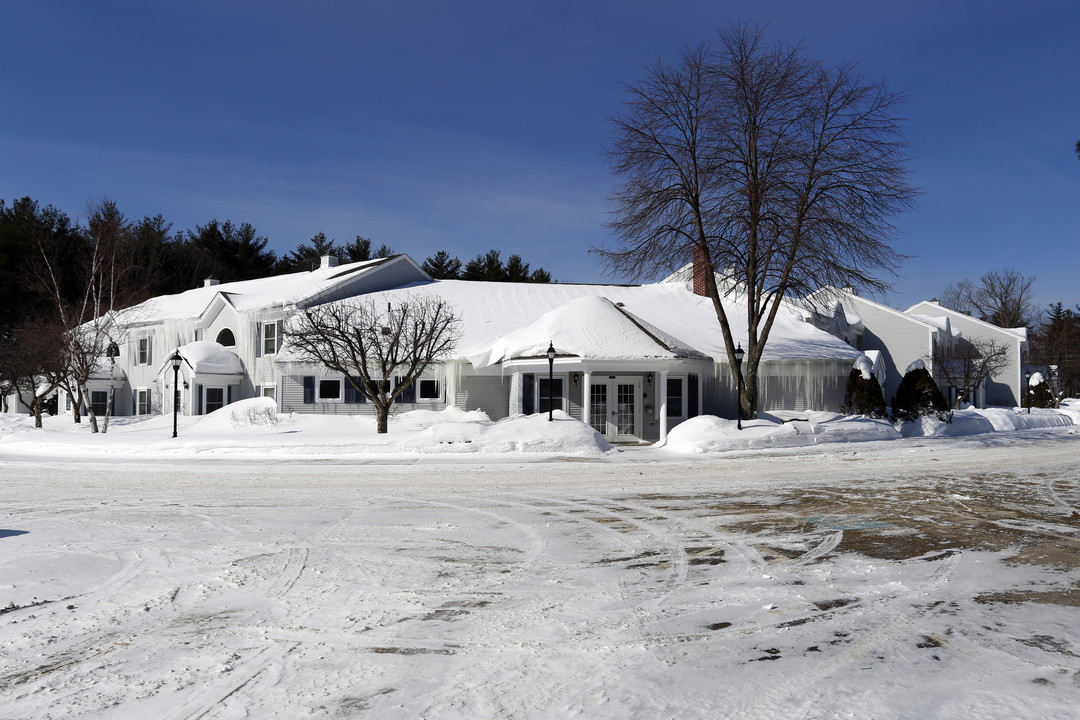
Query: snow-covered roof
[591, 327]
[490, 311]
[269, 292]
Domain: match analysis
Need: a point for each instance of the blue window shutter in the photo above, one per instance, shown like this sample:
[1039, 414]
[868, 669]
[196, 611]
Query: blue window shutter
[352, 395]
[528, 393]
[309, 389]
[692, 409]
[198, 399]
[409, 394]
[228, 397]
[258, 341]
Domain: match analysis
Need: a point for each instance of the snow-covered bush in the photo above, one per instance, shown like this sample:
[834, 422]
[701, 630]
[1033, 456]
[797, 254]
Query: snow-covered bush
[918, 395]
[863, 396]
[1039, 393]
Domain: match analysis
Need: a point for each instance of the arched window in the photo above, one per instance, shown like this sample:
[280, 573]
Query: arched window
[113, 350]
[226, 338]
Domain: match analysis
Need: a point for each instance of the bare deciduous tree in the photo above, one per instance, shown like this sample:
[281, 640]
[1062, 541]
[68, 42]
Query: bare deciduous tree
[967, 364]
[1002, 297]
[369, 345]
[88, 326]
[32, 364]
[779, 173]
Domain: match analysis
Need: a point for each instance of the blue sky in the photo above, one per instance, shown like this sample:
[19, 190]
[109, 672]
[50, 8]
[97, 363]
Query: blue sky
[467, 126]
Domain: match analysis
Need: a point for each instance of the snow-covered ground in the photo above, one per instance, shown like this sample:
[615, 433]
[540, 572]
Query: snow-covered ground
[269, 566]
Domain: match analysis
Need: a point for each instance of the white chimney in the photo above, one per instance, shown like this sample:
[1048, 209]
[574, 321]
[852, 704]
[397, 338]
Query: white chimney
[329, 261]
[210, 281]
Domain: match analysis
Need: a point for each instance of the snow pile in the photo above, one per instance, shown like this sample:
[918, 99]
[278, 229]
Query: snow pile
[1036, 379]
[864, 366]
[964, 422]
[251, 414]
[1004, 420]
[712, 434]
[916, 364]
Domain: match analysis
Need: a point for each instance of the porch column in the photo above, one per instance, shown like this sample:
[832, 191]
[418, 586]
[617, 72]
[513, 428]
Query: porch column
[662, 390]
[586, 398]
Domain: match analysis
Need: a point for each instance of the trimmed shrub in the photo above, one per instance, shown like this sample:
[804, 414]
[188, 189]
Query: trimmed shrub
[919, 395]
[1041, 395]
[862, 396]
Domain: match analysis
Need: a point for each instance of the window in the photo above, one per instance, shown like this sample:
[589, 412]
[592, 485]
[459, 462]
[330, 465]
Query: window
[226, 338]
[556, 396]
[429, 390]
[215, 399]
[99, 402]
[675, 397]
[269, 339]
[144, 351]
[330, 389]
[143, 397]
[269, 391]
[113, 351]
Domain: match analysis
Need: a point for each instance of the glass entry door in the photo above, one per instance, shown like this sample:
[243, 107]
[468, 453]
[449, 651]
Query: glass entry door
[615, 408]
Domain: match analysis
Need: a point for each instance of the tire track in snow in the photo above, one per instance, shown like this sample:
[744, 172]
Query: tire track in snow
[775, 700]
[209, 698]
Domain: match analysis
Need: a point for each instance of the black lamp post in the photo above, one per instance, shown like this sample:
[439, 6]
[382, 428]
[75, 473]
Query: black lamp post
[551, 376]
[739, 354]
[1027, 390]
[176, 361]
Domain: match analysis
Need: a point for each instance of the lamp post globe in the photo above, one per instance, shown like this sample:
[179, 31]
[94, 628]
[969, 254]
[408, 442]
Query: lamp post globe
[175, 361]
[739, 355]
[551, 377]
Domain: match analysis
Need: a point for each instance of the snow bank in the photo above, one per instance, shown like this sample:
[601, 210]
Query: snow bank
[253, 428]
[712, 434]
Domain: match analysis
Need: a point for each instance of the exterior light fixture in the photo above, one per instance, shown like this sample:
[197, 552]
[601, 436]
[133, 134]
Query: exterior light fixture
[551, 377]
[739, 355]
[1027, 390]
[176, 361]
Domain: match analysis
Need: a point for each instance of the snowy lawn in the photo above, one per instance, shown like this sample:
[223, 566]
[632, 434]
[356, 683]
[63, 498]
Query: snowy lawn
[919, 577]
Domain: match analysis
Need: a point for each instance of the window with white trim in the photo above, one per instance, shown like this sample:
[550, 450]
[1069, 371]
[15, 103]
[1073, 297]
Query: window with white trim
[429, 390]
[557, 398]
[329, 390]
[215, 399]
[143, 401]
[269, 338]
[225, 338]
[143, 351]
[269, 391]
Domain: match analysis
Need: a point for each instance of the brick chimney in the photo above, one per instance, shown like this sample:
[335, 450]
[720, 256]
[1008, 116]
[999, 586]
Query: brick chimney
[699, 273]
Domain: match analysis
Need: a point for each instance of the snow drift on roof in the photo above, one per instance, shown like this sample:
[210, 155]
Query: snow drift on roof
[209, 358]
[591, 327]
